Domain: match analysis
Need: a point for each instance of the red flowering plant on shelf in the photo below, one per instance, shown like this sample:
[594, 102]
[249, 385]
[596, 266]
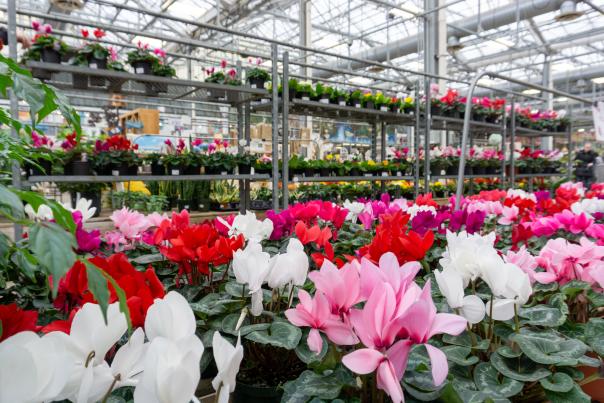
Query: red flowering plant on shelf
[115, 155]
[92, 53]
[45, 46]
[451, 104]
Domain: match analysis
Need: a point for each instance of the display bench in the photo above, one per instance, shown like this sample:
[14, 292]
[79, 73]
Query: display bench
[65, 76]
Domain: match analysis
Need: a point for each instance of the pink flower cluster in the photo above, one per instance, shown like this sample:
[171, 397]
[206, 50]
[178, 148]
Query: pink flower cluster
[41, 29]
[40, 140]
[309, 213]
[396, 316]
[564, 261]
[132, 227]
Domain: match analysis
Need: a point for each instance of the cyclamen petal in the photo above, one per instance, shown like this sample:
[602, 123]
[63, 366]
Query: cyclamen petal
[440, 367]
[363, 361]
[315, 341]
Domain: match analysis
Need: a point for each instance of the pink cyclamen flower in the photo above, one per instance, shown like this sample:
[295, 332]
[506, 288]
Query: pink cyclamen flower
[316, 314]
[509, 215]
[341, 287]
[115, 240]
[47, 28]
[225, 144]
[130, 223]
[35, 25]
[168, 142]
[160, 52]
[197, 142]
[400, 278]
[528, 264]
[223, 63]
[211, 147]
[232, 73]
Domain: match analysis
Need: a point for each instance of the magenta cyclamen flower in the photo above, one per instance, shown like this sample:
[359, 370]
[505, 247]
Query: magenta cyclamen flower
[316, 314]
[47, 28]
[223, 63]
[87, 241]
[35, 25]
[232, 73]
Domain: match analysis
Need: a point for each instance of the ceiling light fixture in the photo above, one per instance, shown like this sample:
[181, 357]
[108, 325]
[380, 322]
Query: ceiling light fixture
[531, 91]
[598, 80]
[568, 11]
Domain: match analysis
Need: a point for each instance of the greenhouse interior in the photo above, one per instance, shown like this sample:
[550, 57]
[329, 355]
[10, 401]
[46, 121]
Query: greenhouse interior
[288, 200]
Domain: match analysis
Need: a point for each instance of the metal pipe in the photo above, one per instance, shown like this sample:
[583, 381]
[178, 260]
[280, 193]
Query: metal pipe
[275, 127]
[285, 128]
[14, 102]
[513, 144]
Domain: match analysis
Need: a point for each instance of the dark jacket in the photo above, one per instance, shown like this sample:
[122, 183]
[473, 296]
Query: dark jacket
[584, 158]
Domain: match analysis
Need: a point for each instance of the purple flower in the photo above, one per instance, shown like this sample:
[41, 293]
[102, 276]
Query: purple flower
[423, 221]
[87, 241]
[542, 195]
[474, 221]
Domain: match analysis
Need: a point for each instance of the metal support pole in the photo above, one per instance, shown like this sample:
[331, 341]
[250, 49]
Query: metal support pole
[285, 128]
[416, 142]
[428, 122]
[275, 127]
[513, 144]
[14, 103]
[464, 139]
[243, 201]
[569, 141]
[503, 140]
[383, 152]
[374, 141]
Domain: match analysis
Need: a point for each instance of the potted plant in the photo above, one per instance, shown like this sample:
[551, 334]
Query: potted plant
[262, 198]
[395, 104]
[257, 77]
[74, 155]
[355, 98]
[304, 90]
[42, 157]
[116, 156]
[141, 59]
[220, 163]
[160, 69]
[323, 93]
[46, 48]
[87, 190]
[408, 106]
[264, 165]
[296, 166]
[94, 55]
[115, 84]
[245, 162]
[562, 124]
[367, 100]
[223, 195]
[292, 86]
[381, 102]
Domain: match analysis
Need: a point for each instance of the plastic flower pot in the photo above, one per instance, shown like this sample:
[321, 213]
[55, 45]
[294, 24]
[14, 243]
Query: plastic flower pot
[305, 96]
[80, 81]
[256, 82]
[49, 55]
[191, 170]
[141, 67]
[256, 394]
[453, 169]
[354, 172]
[78, 168]
[325, 172]
[100, 64]
[478, 170]
[44, 168]
[435, 110]
[309, 172]
[324, 99]
[478, 117]
[158, 169]
[468, 170]
[94, 196]
[244, 169]
[356, 103]
[341, 101]
[436, 170]
[369, 105]
[41, 74]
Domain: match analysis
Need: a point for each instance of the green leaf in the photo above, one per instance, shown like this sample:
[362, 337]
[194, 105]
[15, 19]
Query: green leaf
[574, 287]
[548, 351]
[596, 298]
[53, 248]
[520, 369]
[230, 322]
[31, 91]
[25, 261]
[487, 380]
[507, 352]
[574, 373]
[551, 287]
[424, 396]
[460, 355]
[280, 334]
[575, 395]
[307, 356]
[235, 289]
[10, 204]
[542, 315]
[558, 382]
[98, 286]
[324, 386]
[594, 335]
[212, 304]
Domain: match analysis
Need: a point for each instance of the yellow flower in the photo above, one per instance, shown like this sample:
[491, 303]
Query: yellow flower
[408, 100]
[371, 162]
[385, 163]
[437, 184]
[329, 157]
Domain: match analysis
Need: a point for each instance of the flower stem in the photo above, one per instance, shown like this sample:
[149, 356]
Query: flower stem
[516, 319]
[218, 393]
[115, 380]
[491, 330]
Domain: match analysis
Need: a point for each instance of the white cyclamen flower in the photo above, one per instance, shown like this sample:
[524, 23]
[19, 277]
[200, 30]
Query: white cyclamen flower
[354, 209]
[468, 253]
[451, 287]
[251, 266]
[83, 206]
[248, 225]
[290, 267]
[44, 213]
[170, 317]
[227, 358]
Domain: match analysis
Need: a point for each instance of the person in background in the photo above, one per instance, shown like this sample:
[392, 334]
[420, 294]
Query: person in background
[586, 159]
[22, 39]
[599, 169]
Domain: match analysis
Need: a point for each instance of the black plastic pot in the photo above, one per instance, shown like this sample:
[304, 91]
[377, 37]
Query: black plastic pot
[303, 95]
[435, 110]
[4, 37]
[44, 168]
[157, 169]
[94, 196]
[142, 67]
[325, 172]
[478, 117]
[491, 118]
[324, 98]
[80, 81]
[256, 394]
[478, 170]
[468, 170]
[49, 55]
[309, 172]
[78, 168]
[341, 101]
[100, 64]
[261, 204]
[369, 105]
[436, 170]
[191, 170]
[244, 169]
[356, 103]
[41, 74]
[453, 169]
[175, 170]
[525, 170]
[354, 172]
[185, 205]
[256, 82]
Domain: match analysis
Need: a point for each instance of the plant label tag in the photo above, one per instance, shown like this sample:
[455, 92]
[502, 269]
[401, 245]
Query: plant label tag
[384, 108]
[140, 70]
[115, 172]
[342, 103]
[296, 179]
[368, 175]
[223, 173]
[399, 173]
[176, 172]
[186, 206]
[357, 105]
[252, 171]
[93, 66]
[384, 173]
[324, 101]
[253, 85]
[305, 98]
